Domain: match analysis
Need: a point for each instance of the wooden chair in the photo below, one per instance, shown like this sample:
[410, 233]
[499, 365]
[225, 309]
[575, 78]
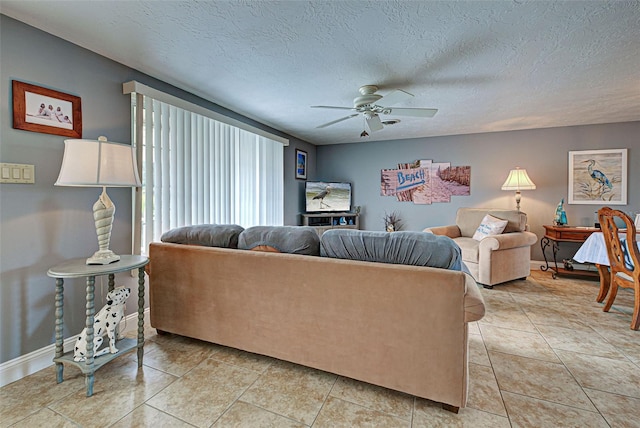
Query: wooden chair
[624, 258]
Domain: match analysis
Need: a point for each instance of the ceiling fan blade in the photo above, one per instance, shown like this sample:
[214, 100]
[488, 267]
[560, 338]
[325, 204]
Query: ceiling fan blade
[394, 97]
[374, 122]
[333, 122]
[334, 107]
[416, 112]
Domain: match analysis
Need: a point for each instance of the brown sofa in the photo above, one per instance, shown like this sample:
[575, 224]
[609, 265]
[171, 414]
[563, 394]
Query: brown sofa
[398, 326]
[494, 259]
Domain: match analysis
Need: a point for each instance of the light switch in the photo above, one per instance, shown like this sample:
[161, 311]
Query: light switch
[17, 173]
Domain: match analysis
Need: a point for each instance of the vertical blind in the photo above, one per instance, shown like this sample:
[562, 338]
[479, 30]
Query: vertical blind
[198, 170]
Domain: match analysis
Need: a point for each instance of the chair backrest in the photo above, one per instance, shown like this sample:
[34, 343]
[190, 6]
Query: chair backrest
[468, 219]
[623, 256]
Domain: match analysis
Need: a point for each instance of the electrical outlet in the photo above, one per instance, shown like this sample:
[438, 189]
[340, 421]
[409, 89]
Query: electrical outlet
[17, 173]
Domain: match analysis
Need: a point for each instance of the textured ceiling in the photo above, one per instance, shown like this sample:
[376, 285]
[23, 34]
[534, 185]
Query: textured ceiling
[487, 66]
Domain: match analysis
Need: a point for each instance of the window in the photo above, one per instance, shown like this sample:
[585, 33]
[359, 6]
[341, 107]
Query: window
[197, 169]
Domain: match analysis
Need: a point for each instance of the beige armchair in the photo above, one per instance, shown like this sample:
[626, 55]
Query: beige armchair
[497, 258]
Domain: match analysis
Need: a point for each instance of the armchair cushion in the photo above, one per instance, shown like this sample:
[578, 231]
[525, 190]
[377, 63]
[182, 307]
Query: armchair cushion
[469, 248]
[489, 225]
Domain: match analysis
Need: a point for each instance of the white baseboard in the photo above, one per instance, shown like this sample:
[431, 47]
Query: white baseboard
[535, 264]
[39, 359]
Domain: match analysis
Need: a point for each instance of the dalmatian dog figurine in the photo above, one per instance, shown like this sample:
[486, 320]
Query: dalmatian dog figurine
[105, 323]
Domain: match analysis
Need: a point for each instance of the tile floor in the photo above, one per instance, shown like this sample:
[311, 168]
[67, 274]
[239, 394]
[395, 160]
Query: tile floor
[545, 355]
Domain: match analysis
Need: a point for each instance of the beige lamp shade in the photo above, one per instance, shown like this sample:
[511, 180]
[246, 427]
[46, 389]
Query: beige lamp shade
[517, 180]
[90, 163]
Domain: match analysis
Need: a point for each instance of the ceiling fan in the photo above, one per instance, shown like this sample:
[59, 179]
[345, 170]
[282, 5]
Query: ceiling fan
[371, 105]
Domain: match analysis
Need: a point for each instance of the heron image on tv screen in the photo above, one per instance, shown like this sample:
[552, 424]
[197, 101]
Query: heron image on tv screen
[321, 196]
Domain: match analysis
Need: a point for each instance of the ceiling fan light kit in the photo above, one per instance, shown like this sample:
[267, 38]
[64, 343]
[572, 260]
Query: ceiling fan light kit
[390, 122]
[371, 105]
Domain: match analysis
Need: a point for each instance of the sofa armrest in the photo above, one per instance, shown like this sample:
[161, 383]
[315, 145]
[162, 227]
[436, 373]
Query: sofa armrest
[508, 240]
[474, 307]
[452, 231]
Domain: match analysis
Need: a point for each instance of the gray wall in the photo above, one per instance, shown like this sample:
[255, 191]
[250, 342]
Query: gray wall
[294, 202]
[543, 152]
[42, 225]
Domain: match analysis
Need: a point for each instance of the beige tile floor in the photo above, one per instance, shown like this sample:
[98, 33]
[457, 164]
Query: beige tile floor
[545, 355]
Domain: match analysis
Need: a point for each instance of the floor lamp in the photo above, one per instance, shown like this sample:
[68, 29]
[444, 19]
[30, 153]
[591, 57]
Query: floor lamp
[90, 163]
[518, 180]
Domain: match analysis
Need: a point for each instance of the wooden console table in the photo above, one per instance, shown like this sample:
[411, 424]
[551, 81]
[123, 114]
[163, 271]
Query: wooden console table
[77, 268]
[553, 235]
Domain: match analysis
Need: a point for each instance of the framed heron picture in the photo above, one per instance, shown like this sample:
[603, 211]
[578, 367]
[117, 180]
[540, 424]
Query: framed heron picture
[598, 177]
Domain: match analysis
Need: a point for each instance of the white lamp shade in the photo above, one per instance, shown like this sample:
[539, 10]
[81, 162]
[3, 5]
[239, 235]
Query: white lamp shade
[518, 180]
[90, 163]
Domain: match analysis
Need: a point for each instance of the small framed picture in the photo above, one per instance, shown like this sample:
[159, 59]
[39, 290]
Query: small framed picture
[598, 177]
[301, 164]
[39, 109]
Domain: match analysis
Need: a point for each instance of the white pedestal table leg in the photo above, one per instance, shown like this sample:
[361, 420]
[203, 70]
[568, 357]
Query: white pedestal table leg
[59, 327]
[140, 315]
[91, 282]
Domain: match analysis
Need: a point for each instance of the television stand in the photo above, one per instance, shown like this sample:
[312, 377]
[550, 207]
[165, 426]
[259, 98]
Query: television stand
[327, 221]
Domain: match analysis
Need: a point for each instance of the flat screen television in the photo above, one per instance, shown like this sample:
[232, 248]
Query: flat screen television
[327, 197]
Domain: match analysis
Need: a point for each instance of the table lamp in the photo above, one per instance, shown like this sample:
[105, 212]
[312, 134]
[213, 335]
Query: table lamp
[102, 163]
[518, 180]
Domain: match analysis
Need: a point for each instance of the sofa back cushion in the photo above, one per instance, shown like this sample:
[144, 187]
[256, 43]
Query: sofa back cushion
[409, 248]
[283, 239]
[468, 219]
[208, 235]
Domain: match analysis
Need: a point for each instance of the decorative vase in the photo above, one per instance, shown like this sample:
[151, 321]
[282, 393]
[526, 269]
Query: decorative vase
[560, 218]
[103, 212]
